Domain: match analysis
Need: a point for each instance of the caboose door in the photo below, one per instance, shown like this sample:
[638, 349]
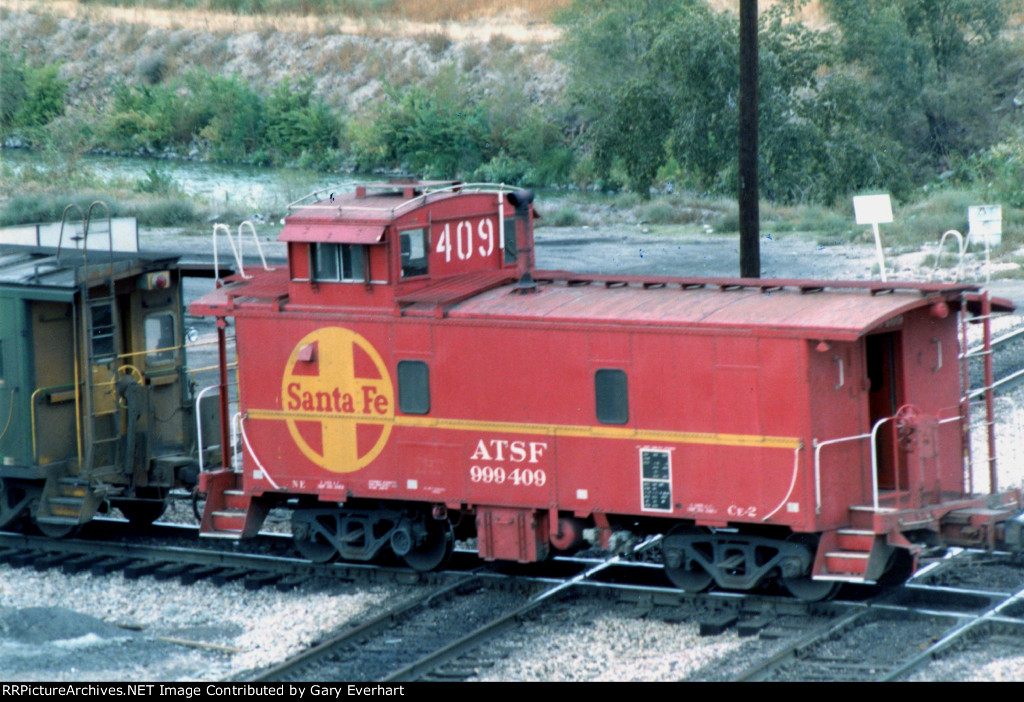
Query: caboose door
[885, 397]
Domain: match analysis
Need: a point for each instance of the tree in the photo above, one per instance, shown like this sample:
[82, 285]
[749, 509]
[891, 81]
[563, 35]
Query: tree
[924, 65]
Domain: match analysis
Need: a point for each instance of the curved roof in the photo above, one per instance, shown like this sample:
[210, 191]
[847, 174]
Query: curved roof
[841, 311]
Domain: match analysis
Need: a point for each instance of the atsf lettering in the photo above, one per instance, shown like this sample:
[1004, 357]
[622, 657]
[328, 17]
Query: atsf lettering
[511, 451]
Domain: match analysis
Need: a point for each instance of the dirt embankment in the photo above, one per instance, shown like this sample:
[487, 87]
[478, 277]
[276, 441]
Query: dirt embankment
[348, 63]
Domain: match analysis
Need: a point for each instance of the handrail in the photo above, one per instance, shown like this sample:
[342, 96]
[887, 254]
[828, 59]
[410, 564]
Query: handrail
[10, 416]
[110, 243]
[236, 250]
[63, 221]
[961, 249]
[428, 191]
[792, 483]
[818, 445]
[32, 406]
[245, 439]
[873, 436]
[199, 423]
[874, 459]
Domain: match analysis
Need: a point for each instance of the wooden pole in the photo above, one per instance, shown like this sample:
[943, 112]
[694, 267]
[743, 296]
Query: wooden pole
[750, 234]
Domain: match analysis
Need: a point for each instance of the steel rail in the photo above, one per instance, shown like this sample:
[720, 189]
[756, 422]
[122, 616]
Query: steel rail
[377, 624]
[958, 634]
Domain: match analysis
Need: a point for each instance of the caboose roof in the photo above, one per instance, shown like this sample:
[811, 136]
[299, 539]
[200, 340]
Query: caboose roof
[834, 310]
[360, 216]
[38, 268]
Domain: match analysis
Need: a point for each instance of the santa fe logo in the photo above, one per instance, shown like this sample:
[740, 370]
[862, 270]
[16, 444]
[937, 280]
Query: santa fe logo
[338, 399]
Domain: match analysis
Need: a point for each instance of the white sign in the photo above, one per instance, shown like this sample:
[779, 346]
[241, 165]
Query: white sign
[985, 224]
[872, 209]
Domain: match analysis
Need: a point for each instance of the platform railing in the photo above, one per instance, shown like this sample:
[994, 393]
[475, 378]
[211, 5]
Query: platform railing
[201, 448]
[872, 437]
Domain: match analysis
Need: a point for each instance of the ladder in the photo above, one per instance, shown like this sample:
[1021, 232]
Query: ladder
[71, 496]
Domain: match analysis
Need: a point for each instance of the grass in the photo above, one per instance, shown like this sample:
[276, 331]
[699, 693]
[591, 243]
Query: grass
[414, 10]
[517, 20]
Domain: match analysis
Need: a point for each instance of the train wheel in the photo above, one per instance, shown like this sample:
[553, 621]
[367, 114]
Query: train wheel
[803, 587]
[145, 511]
[57, 531]
[688, 575]
[142, 513]
[310, 544]
[808, 590]
[898, 570]
[434, 548]
[14, 500]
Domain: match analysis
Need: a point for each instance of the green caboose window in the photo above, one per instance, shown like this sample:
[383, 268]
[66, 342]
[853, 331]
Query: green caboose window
[413, 387]
[511, 252]
[611, 396]
[414, 252]
[338, 262]
[103, 330]
[160, 344]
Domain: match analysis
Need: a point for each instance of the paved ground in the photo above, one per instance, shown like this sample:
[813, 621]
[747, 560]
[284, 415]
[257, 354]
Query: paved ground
[634, 250]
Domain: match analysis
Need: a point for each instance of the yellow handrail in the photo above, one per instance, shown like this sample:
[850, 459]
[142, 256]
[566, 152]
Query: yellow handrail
[32, 402]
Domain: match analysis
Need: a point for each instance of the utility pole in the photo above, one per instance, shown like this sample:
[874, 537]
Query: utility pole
[750, 216]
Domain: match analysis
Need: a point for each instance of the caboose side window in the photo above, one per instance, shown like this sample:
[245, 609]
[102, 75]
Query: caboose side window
[414, 252]
[611, 396]
[159, 330]
[511, 252]
[339, 262]
[102, 330]
[413, 387]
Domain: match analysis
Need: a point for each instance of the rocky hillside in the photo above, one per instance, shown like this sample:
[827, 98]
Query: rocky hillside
[348, 63]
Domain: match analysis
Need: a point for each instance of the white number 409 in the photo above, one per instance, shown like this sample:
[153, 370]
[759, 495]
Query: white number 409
[463, 241]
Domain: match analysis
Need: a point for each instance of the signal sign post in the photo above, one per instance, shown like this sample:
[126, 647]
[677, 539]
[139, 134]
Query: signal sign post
[874, 210]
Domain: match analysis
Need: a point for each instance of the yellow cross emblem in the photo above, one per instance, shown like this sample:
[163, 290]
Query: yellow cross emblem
[335, 384]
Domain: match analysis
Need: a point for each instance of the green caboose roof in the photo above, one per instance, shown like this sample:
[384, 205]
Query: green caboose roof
[40, 273]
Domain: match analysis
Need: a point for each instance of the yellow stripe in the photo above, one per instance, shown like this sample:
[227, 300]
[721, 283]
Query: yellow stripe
[598, 432]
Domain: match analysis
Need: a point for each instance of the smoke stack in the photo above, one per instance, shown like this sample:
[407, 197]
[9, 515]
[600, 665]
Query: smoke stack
[521, 200]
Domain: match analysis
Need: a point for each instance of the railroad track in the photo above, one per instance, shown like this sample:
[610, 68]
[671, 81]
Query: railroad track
[899, 633]
[414, 641]
[1007, 358]
[450, 629]
[214, 562]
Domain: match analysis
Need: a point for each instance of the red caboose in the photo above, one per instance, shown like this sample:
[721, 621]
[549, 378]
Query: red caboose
[408, 375]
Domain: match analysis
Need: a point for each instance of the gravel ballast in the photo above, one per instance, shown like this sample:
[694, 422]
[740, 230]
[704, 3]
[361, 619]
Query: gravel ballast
[70, 628]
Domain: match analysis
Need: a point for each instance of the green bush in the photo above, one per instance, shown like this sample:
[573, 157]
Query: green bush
[229, 119]
[30, 98]
[434, 129]
[32, 208]
[562, 217]
[165, 212]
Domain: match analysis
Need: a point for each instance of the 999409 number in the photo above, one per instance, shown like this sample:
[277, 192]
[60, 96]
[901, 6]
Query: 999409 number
[499, 476]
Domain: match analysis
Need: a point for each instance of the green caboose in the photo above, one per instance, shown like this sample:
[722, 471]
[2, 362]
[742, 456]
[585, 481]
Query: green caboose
[95, 399]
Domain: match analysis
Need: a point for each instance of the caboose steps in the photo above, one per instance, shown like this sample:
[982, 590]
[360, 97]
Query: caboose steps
[67, 501]
[230, 521]
[860, 540]
[850, 555]
[852, 563]
[230, 513]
